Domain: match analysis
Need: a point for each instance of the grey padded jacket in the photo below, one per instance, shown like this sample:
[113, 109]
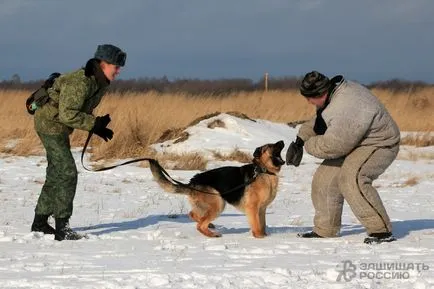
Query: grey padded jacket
[354, 118]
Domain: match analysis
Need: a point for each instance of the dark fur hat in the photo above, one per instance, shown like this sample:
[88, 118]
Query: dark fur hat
[111, 54]
[314, 84]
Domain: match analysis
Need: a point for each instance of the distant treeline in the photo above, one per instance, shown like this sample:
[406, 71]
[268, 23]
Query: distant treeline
[212, 87]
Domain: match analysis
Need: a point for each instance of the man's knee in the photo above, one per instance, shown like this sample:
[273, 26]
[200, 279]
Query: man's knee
[68, 175]
[347, 181]
[321, 179]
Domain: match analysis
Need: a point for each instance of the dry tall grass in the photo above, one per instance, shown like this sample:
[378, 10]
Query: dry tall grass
[420, 139]
[140, 119]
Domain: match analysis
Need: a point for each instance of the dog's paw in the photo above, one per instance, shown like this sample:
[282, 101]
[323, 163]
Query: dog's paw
[259, 235]
[209, 233]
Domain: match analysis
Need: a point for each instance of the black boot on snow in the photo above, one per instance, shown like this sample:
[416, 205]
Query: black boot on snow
[64, 232]
[309, 235]
[40, 224]
[378, 238]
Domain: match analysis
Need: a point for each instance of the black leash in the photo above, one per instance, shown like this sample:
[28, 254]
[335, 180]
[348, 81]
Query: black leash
[258, 170]
[110, 167]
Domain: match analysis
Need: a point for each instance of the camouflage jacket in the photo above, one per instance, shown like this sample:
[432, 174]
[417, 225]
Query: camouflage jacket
[73, 97]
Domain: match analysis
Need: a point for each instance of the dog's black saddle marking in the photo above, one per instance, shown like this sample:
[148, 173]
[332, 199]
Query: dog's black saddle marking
[225, 179]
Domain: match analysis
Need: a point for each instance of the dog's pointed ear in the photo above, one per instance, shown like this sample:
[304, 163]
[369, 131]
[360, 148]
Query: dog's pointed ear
[258, 152]
[280, 144]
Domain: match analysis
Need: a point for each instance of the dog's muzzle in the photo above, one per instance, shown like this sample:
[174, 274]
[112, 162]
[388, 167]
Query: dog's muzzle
[277, 159]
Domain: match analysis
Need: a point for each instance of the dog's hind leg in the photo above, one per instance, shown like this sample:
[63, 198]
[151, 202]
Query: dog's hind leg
[198, 208]
[195, 217]
[203, 225]
[214, 206]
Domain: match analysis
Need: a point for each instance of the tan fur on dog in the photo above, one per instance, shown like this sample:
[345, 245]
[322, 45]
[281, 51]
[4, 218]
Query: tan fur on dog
[250, 188]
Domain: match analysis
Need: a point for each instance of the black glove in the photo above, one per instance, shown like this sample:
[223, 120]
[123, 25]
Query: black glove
[295, 152]
[100, 127]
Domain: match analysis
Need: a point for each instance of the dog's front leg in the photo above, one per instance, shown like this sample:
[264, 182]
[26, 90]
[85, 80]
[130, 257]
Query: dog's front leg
[255, 222]
[262, 213]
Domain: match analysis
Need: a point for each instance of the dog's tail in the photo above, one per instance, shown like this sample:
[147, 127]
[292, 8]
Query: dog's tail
[161, 176]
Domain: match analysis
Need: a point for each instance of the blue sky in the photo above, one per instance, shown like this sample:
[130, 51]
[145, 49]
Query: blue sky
[366, 40]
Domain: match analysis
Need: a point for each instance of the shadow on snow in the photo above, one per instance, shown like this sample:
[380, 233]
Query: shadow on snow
[400, 228]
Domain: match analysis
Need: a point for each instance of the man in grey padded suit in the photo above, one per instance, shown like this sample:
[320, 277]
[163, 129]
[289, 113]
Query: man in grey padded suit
[358, 140]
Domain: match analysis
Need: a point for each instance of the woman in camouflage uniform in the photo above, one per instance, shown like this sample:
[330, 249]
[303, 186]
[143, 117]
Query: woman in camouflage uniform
[358, 139]
[72, 98]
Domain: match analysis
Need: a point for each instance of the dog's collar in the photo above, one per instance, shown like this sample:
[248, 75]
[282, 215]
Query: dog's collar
[260, 170]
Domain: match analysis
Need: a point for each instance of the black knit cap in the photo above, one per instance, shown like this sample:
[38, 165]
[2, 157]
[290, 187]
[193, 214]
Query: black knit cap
[314, 84]
[111, 54]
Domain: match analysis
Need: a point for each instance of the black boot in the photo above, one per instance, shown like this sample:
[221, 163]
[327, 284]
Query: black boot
[309, 235]
[40, 225]
[64, 232]
[379, 238]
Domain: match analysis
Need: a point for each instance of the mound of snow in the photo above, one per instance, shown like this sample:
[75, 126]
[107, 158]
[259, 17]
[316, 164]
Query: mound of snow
[231, 133]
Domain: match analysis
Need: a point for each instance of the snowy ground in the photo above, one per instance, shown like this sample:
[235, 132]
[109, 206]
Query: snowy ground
[140, 236]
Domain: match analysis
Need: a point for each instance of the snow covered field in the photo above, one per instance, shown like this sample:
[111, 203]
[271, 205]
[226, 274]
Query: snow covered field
[141, 237]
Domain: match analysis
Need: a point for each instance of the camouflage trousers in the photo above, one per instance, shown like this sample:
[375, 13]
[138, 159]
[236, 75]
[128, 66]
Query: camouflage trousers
[58, 191]
[350, 179]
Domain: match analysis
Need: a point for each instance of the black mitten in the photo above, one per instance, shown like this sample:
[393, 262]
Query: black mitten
[100, 127]
[294, 154]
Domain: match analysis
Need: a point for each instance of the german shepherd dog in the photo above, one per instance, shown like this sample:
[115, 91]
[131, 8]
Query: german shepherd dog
[249, 188]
